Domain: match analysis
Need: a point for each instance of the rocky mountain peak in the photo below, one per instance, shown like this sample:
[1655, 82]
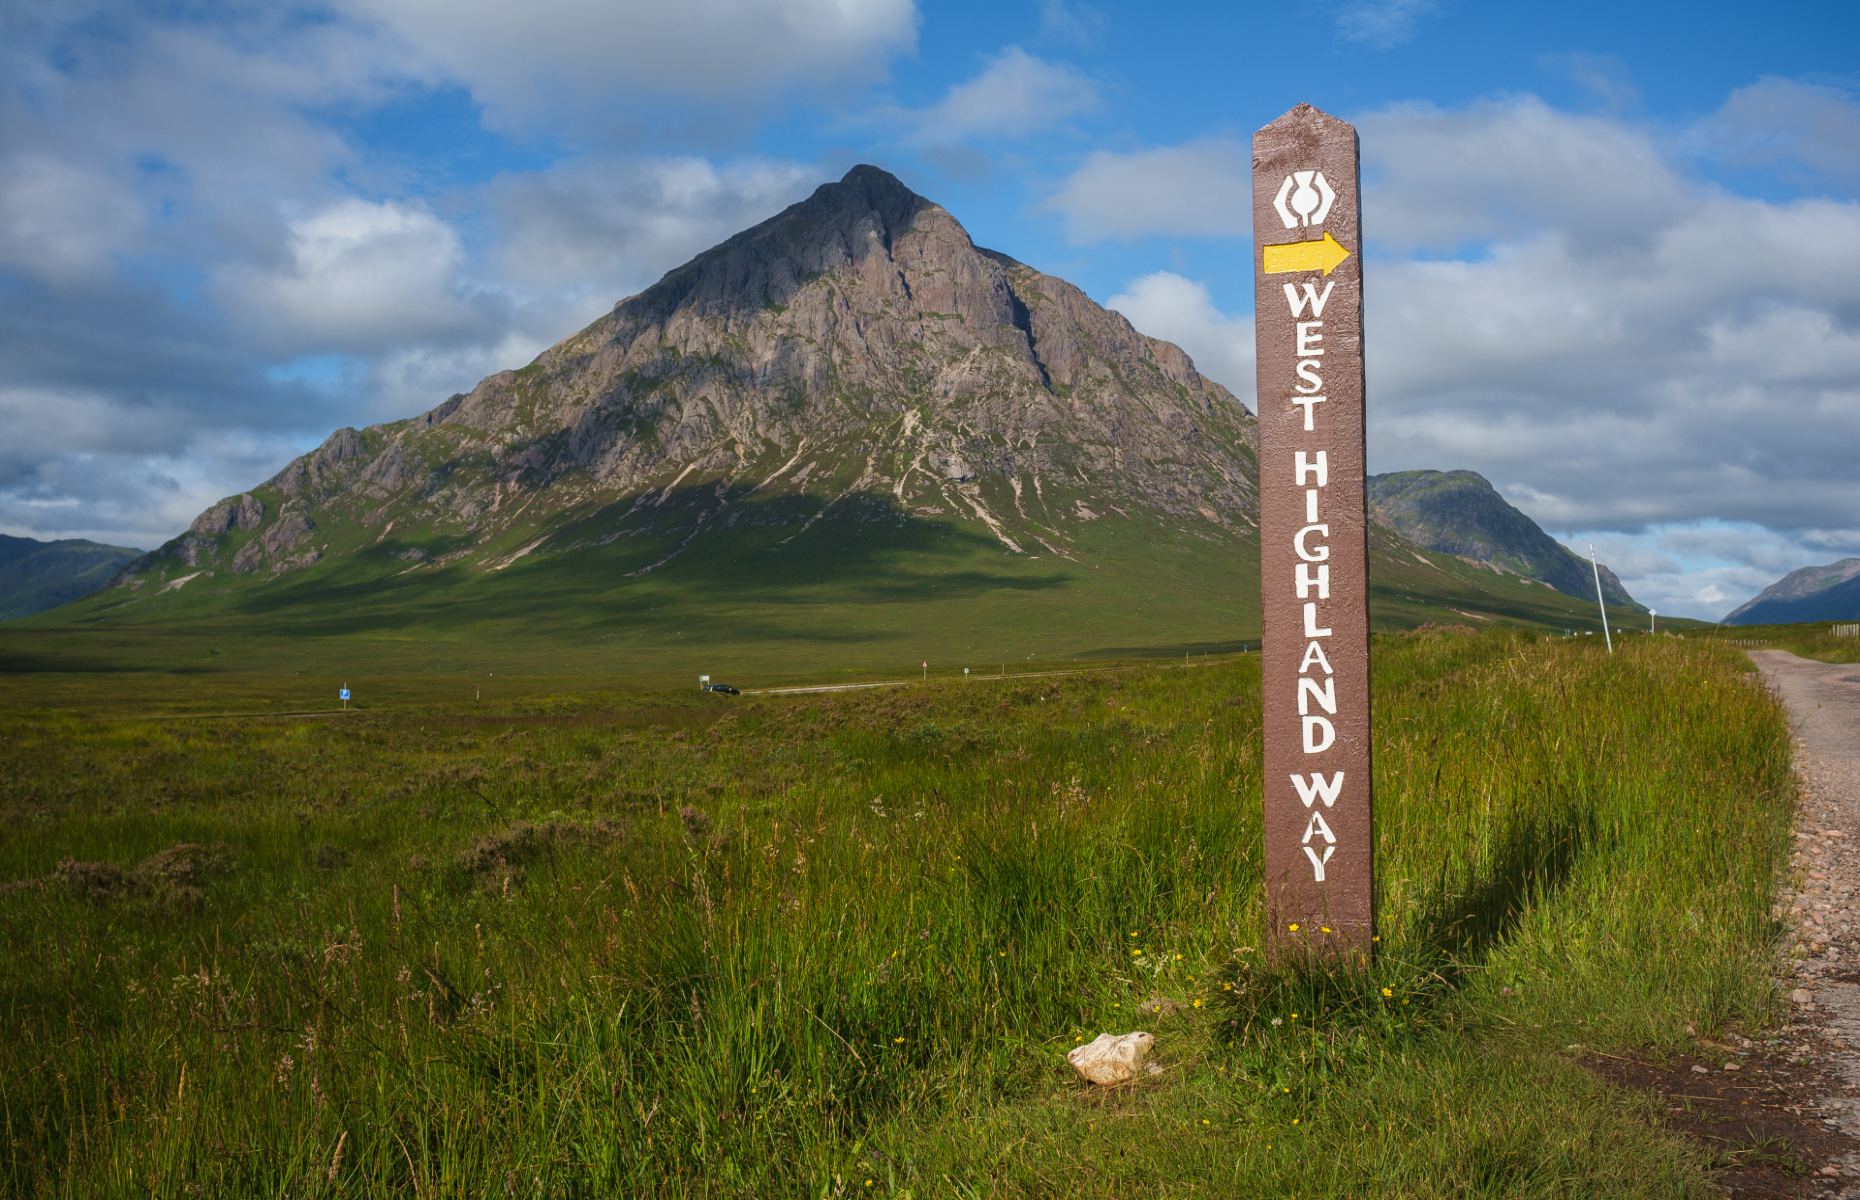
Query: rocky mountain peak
[1462, 514]
[844, 226]
[856, 352]
[1829, 592]
[873, 188]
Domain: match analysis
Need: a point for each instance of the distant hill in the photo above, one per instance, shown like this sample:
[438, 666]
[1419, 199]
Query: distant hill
[1830, 593]
[35, 575]
[847, 435]
[1461, 513]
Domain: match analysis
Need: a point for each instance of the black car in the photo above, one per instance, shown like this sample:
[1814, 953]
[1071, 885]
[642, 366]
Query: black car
[723, 689]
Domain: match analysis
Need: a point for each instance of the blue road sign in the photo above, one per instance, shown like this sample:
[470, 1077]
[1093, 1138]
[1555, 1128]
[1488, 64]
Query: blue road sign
[343, 694]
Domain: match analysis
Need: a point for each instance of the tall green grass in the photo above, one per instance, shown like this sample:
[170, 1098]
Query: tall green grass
[840, 944]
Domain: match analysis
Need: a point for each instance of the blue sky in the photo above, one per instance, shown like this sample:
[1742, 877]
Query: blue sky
[1613, 252]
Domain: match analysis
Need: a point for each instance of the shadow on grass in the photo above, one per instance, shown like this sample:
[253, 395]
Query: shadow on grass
[1407, 986]
[701, 561]
[1532, 860]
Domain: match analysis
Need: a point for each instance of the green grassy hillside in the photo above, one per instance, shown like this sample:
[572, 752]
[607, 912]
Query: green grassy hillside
[35, 575]
[853, 595]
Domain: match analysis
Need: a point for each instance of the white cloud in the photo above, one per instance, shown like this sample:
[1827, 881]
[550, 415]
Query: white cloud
[359, 277]
[551, 64]
[63, 222]
[1433, 178]
[211, 114]
[1176, 309]
[1071, 21]
[79, 464]
[1383, 24]
[1804, 128]
[44, 422]
[1443, 178]
[1015, 95]
[1705, 570]
[615, 225]
[1603, 76]
[414, 380]
[1200, 188]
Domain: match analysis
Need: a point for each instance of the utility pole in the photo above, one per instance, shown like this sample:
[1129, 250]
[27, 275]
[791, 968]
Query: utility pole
[1600, 603]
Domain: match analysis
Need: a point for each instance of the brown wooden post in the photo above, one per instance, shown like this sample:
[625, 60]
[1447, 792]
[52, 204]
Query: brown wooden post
[1313, 525]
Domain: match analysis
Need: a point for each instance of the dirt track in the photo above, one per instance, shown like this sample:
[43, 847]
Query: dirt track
[1823, 700]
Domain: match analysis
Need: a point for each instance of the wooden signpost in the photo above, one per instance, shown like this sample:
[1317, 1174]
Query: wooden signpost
[1314, 584]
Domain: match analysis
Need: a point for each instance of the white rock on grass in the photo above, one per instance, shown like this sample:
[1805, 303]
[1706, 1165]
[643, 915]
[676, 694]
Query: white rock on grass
[1114, 1057]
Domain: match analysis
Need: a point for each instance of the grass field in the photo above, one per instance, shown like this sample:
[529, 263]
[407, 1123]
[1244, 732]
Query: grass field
[566, 942]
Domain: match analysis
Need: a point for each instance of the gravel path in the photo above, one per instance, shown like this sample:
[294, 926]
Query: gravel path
[1823, 700]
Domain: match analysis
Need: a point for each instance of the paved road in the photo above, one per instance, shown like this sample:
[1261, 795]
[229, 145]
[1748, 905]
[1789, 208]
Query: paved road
[1823, 700]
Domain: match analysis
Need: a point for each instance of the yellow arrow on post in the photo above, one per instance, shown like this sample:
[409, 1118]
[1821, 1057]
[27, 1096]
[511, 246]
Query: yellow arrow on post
[1321, 255]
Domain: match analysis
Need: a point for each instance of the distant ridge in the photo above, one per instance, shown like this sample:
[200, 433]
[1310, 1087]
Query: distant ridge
[36, 575]
[1825, 593]
[1461, 513]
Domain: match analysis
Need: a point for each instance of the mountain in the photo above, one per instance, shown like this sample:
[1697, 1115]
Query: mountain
[1830, 593]
[856, 354]
[36, 575]
[847, 434]
[1461, 513]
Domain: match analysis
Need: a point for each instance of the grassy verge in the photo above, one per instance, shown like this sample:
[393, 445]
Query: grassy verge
[838, 945]
[1813, 640]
